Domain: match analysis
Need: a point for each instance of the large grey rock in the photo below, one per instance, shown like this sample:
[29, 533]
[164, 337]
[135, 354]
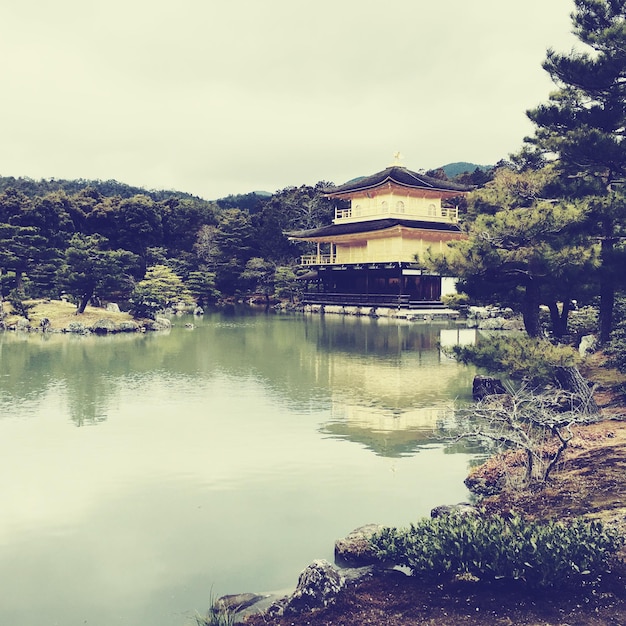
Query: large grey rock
[22, 324]
[587, 345]
[237, 603]
[77, 328]
[462, 508]
[112, 307]
[318, 586]
[355, 549]
[128, 326]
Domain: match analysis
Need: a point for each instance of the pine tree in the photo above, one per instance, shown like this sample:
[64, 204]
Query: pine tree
[584, 125]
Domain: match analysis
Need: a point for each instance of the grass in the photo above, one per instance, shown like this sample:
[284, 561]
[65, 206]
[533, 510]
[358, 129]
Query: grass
[61, 314]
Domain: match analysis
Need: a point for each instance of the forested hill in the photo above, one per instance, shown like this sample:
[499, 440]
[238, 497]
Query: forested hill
[31, 188]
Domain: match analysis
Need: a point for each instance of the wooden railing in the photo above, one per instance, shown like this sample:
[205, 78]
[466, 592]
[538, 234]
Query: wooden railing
[317, 259]
[356, 299]
[372, 300]
[444, 214]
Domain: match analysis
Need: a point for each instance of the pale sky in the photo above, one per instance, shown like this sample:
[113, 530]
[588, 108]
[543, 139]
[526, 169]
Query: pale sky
[225, 97]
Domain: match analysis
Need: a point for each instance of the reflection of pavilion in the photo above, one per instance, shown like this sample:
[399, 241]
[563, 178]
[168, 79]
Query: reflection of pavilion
[394, 407]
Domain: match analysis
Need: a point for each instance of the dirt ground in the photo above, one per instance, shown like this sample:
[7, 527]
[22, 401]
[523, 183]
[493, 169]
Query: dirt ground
[590, 481]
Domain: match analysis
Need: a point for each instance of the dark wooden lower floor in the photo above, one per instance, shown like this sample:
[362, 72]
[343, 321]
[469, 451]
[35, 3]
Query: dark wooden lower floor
[389, 285]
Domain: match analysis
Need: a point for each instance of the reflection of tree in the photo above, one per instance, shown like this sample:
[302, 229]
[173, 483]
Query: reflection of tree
[389, 369]
[88, 368]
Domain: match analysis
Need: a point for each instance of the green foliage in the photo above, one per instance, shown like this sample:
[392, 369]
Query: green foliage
[583, 321]
[16, 299]
[520, 357]
[286, 284]
[518, 240]
[455, 300]
[89, 269]
[201, 285]
[543, 554]
[160, 289]
[582, 125]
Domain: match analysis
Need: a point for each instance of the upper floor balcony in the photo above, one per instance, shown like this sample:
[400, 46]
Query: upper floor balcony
[430, 213]
[318, 259]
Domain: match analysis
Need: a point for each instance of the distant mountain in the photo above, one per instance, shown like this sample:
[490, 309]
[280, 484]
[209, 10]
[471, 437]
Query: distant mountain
[462, 167]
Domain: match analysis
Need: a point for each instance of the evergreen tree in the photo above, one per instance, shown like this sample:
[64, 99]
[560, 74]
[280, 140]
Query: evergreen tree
[523, 247]
[90, 269]
[583, 125]
[160, 288]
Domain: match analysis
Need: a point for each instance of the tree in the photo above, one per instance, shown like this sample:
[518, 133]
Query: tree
[140, 224]
[21, 249]
[583, 125]
[234, 243]
[285, 283]
[259, 274]
[521, 242]
[160, 288]
[90, 269]
[201, 285]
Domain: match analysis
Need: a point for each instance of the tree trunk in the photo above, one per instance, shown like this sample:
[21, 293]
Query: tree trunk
[607, 283]
[607, 301]
[84, 301]
[572, 380]
[531, 309]
[559, 319]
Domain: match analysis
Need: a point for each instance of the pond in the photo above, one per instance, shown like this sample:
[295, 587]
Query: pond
[144, 474]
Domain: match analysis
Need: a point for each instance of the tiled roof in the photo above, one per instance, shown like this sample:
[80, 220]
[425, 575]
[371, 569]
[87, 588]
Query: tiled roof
[351, 228]
[400, 175]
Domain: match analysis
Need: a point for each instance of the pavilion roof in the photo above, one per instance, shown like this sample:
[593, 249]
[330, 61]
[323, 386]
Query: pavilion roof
[350, 228]
[401, 176]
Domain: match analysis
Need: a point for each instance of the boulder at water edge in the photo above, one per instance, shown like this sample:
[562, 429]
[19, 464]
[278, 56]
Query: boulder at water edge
[355, 549]
[318, 587]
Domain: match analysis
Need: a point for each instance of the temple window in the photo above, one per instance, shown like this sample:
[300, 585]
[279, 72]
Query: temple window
[400, 207]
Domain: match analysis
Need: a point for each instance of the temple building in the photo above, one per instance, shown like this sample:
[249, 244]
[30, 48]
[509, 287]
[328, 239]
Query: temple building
[384, 224]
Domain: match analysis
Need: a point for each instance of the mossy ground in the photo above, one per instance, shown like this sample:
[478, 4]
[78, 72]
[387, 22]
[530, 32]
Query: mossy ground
[61, 314]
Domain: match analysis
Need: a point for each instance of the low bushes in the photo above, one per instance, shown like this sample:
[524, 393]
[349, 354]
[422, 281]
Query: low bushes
[543, 554]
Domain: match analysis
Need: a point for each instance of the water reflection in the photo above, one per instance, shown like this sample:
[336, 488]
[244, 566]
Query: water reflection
[399, 394]
[227, 456]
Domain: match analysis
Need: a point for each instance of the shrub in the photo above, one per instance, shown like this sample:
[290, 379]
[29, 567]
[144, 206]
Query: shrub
[543, 554]
[455, 300]
[521, 357]
[17, 301]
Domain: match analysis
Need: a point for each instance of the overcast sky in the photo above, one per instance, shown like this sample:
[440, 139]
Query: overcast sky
[218, 97]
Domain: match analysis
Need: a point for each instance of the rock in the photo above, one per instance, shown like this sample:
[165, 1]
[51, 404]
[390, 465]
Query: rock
[44, 324]
[238, 602]
[22, 324]
[486, 386]
[198, 311]
[587, 345]
[128, 327]
[112, 307]
[462, 508]
[318, 586]
[162, 323]
[78, 328]
[103, 326]
[355, 549]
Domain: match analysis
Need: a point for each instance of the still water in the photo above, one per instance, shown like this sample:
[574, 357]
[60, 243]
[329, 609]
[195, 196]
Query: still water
[143, 474]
